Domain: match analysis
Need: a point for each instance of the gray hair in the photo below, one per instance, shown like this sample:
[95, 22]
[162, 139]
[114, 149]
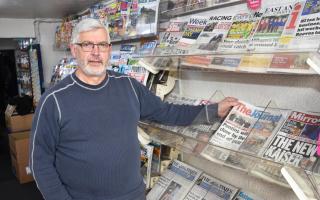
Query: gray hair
[84, 25]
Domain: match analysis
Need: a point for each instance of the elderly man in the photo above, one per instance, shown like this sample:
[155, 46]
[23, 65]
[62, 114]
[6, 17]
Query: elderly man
[84, 137]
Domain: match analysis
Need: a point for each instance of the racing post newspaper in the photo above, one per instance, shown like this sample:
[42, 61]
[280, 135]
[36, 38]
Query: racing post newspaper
[175, 182]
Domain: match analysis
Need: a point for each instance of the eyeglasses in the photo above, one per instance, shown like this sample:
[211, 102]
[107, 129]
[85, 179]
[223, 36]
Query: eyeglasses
[88, 46]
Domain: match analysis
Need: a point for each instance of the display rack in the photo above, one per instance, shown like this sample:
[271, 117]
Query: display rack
[175, 8]
[302, 181]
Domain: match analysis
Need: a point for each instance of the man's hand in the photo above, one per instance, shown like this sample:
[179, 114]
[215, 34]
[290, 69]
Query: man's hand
[225, 106]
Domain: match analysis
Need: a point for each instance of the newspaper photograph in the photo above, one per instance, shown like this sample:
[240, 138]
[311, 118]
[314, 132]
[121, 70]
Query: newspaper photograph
[175, 182]
[240, 32]
[270, 27]
[296, 141]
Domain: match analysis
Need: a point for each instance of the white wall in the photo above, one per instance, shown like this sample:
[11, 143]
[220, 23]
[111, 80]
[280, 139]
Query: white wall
[50, 55]
[43, 29]
[16, 28]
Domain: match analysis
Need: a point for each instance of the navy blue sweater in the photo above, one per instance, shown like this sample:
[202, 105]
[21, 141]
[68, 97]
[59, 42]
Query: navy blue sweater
[84, 137]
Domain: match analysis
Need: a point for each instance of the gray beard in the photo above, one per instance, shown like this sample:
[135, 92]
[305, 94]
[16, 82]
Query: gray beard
[89, 72]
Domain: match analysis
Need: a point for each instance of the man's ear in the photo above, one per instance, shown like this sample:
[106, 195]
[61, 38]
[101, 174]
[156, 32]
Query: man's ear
[73, 50]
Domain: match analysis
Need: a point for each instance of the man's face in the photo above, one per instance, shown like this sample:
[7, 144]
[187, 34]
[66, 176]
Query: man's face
[92, 61]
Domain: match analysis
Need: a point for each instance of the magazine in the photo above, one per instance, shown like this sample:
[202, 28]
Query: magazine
[175, 182]
[147, 20]
[137, 71]
[208, 187]
[176, 6]
[146, 152]
[195, 4]
[147, 48]
[296, 141]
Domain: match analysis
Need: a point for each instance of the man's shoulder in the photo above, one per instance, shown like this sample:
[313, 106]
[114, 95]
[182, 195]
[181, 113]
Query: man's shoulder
[60, 86]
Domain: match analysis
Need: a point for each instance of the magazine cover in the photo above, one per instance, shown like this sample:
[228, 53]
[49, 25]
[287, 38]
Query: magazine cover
[146, 152]
[267, 34]
[239, 34]
[195, 4]
[137, 72]
[306, 34]
[192, 31]
[175, 7]
[208, 187]
[147, 48]
[147, 20]
[213, 33]
[175, 182]
[296, 141]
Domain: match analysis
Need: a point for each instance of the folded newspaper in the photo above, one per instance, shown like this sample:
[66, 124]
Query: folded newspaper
[208, 187]
[175, 182]
[234, 130]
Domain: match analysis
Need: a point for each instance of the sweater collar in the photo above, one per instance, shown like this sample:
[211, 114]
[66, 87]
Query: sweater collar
[88, 86]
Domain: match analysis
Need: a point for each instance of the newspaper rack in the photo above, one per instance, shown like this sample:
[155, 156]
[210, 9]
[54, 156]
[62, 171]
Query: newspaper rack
[249, 161]
[174, 8]
[278, 62]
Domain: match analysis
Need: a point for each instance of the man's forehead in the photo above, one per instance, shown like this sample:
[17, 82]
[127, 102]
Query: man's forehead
[92, 34]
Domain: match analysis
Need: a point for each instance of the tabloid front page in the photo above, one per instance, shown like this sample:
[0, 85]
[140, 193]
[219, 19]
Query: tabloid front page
[175, 182]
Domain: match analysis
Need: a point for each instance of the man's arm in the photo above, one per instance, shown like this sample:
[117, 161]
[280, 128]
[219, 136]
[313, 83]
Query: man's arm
[153, 109]
[43, 141]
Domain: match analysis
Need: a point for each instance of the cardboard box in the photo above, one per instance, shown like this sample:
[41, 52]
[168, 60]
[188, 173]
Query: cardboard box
[19, 146]
[20, 171]
[17, 123]
[19, 151]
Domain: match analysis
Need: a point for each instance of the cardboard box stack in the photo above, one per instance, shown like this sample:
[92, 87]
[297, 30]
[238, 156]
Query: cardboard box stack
[19, 151]
[18, 123]
[19, 130]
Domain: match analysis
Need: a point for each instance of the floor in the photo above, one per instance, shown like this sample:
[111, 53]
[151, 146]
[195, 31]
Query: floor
[10, 188]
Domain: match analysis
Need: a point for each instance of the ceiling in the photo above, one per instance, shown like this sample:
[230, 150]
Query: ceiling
[30, 9]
